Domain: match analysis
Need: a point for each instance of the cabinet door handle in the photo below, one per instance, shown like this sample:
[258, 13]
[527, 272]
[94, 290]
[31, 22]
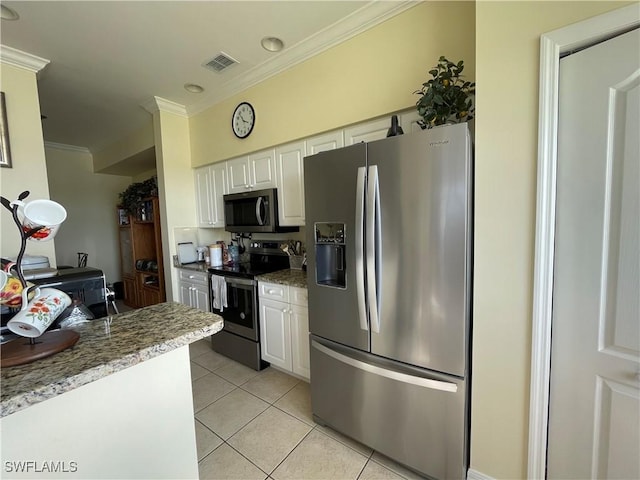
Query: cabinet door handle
[284, 310]
[272, 292]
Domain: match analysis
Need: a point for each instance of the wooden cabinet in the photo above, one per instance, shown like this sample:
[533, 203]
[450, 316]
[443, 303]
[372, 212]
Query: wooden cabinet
[211, 185]
[290, 171]
[194, 289]
[284, 327]
[141, 256]
[253, 172]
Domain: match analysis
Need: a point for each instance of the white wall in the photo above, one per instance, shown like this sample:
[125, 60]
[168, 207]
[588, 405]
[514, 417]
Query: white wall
[90, 199]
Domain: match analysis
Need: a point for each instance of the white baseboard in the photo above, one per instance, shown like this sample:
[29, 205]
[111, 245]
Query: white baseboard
[476, 475]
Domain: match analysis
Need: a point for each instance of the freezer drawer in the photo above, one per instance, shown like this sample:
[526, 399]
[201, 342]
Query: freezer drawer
[408, 414]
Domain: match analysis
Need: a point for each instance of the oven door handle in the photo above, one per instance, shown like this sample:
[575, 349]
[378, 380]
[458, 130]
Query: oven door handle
[239, 281]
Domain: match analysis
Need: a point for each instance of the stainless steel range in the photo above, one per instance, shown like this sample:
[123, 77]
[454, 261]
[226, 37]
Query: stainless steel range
[240, 337]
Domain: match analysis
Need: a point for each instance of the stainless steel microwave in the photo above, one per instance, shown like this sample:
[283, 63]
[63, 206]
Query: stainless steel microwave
[255, 211]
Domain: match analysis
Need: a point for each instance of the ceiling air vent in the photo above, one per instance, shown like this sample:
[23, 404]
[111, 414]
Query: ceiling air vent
[221, 62]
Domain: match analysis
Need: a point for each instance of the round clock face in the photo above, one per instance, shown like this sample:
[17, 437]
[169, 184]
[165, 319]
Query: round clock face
[243, 120]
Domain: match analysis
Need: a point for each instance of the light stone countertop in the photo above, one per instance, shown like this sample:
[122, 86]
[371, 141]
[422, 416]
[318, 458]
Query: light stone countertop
[293, 278]
[196, 267]
[131, 338]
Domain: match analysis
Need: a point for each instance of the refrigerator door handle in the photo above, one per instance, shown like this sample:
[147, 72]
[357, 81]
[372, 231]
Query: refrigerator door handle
[359, 240]
[374, 247]
[383, 372]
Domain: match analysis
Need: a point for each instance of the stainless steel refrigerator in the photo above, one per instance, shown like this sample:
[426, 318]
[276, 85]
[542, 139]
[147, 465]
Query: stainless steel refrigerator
[389, 240]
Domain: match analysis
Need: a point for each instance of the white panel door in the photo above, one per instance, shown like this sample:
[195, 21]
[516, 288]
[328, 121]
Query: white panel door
[594, 418]
[409, 122]
[218, 182]
[275, 333]
[185, 293]
[203, 192]
[262, 169]
[324, 142]
[300, 361]
[238, 175]
[200, 297]
[290, 168]
[367, 132]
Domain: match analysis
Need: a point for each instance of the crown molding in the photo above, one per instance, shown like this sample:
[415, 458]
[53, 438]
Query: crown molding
[370, 15]
[20, 59]
[159, 104]
[64, 146]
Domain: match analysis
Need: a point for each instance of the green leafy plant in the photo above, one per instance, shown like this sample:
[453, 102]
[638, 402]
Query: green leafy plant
[446, 98]
[133, 197]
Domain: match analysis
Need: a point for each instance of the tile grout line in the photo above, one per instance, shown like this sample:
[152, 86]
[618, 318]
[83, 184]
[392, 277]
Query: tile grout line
[313, 426]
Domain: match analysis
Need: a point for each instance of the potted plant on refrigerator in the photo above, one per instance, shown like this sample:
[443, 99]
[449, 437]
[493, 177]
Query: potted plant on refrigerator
[446, 97]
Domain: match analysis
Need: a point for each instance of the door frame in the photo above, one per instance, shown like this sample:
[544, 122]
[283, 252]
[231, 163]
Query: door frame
[552, 46]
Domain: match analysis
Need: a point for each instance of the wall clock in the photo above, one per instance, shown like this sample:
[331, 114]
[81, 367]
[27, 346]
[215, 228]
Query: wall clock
[243, 120]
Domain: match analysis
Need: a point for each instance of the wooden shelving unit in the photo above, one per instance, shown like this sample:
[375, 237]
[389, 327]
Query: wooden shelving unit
[141, 244]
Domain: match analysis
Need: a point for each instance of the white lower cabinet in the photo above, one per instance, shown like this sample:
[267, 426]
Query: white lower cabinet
[194, 289]
[284, 327]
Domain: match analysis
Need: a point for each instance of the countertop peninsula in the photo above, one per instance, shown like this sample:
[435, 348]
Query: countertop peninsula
[106, 345]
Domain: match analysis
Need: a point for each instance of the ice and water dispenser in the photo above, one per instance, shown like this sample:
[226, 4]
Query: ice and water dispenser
[330, 254]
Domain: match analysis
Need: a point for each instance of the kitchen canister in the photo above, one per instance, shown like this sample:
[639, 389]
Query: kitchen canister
[234, 253]
[215, 255]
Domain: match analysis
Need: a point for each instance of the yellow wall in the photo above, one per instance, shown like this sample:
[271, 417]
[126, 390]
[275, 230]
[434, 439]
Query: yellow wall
[29, 170]
[370, 75]
[136, 142]
[507, 58]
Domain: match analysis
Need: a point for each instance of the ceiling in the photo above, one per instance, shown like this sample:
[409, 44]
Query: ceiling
[109, 58]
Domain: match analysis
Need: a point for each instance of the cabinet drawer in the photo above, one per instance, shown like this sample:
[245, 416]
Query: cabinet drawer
[194, 277]
[298, 296]
[274, 291]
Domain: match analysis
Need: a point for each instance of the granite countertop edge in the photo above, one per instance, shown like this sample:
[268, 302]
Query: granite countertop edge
[290, 277]
[40, 394]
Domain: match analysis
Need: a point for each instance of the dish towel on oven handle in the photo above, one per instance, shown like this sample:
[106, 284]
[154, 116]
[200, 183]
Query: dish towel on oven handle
[219, 292]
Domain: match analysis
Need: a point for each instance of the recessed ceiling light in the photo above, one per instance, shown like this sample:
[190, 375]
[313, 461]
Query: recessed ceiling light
[193, 88]
[8, 13]
[272, 44]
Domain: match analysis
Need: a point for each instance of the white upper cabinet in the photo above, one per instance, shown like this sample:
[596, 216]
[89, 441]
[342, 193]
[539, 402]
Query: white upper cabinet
[238, 174]
[324, 142]
[409, 122]
[262, 169]
[290, 168]
[367, 132]
[211, 185]
[254, 172]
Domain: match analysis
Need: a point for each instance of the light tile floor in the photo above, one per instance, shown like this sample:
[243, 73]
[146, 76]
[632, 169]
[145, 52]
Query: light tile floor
[258, 425]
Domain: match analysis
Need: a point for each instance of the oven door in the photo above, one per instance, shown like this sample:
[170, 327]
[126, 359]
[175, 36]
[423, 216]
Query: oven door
[241, 314]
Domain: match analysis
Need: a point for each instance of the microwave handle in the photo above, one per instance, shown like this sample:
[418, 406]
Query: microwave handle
[259, 208]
